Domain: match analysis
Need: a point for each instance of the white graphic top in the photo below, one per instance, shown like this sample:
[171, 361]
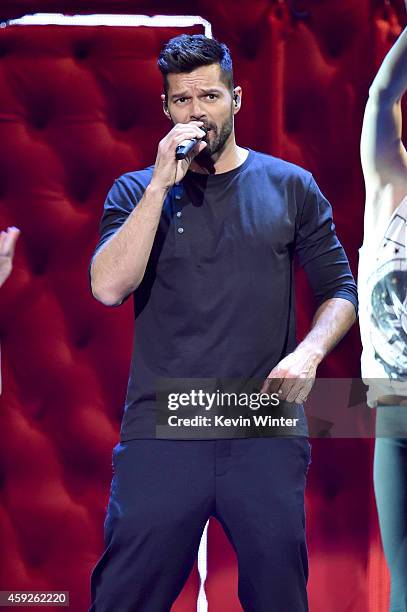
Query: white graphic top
[382, 285]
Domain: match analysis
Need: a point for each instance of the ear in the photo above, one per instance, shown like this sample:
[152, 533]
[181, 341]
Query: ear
[237, 99]
[165, 107]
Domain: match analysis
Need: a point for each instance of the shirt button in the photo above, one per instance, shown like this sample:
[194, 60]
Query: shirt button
[179, 214]
[180, 230]
[177, 196]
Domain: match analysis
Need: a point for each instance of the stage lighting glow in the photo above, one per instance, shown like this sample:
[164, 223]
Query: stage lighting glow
[155, 21]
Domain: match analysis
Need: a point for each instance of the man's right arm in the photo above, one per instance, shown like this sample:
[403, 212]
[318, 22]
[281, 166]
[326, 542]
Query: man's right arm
[119, 264]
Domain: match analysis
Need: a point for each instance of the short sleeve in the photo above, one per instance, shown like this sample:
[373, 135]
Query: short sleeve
[120, 202]
[319, 251]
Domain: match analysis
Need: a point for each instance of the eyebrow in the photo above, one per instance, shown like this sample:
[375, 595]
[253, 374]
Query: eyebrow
[184, 94]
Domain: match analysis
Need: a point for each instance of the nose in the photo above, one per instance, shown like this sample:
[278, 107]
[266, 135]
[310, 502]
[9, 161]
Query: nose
[196, 111]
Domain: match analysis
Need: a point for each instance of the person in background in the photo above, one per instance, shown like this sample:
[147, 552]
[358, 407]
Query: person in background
[8, 240]
[382, 282]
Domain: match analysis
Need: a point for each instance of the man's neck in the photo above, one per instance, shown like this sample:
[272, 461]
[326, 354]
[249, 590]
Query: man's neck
[229, 159]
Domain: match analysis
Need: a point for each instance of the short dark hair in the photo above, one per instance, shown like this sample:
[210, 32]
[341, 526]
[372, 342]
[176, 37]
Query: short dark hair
[186, 52]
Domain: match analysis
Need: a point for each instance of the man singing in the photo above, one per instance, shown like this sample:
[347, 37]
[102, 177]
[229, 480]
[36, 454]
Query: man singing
[206, 245]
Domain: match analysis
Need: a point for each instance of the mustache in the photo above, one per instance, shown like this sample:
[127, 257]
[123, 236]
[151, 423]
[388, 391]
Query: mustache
[210, 127]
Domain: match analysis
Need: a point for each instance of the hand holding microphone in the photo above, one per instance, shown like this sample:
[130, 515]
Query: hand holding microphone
[176, 152]
[185, 146]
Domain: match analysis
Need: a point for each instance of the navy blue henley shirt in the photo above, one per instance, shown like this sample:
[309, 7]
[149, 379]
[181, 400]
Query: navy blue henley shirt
[217, 298]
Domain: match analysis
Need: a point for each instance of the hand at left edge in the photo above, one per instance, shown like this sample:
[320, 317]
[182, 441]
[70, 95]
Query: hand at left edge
[8, 240]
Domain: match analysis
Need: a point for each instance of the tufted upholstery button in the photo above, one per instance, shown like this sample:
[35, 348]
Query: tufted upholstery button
[124, 123]
[39, 122]
[39, 262]
[81, 53]
[83, 340]
[81, 189]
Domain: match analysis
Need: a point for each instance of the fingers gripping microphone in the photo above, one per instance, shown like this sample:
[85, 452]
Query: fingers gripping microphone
[185, 146]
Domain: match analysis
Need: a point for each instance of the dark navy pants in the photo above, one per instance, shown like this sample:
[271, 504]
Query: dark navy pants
[162, 494]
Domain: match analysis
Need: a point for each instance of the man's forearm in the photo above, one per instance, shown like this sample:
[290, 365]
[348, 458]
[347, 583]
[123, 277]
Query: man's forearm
[118, 268]
[294, 376]
[330, 323]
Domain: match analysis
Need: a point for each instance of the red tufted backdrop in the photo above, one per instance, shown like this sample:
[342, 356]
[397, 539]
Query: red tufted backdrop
[78, 107]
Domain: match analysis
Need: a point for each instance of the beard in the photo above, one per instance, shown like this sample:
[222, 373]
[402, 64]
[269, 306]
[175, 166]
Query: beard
[218, 140]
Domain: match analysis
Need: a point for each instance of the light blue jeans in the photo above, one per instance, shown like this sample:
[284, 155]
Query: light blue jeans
[390, 485]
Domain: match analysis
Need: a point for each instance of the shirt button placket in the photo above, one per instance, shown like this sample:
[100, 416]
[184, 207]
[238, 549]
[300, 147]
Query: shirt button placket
[179, 191]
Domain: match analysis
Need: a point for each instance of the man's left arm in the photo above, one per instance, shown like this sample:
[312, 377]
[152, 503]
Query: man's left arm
[326, 265]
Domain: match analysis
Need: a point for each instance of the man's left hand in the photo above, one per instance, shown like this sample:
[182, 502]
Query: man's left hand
[293, 377]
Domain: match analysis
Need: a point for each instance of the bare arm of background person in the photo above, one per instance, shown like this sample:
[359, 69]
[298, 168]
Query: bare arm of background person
[119, 266]
[384, 157]
[8, 241]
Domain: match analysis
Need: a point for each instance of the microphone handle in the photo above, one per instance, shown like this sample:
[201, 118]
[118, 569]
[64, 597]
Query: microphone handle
[184, 148]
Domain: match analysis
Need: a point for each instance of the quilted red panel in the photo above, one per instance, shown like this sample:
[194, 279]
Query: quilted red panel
[78, 107]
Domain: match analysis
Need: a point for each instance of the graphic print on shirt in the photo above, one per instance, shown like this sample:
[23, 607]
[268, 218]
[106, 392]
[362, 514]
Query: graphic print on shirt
[387, 287]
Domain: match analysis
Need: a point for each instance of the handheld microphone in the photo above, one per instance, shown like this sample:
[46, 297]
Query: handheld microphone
[185, 146]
